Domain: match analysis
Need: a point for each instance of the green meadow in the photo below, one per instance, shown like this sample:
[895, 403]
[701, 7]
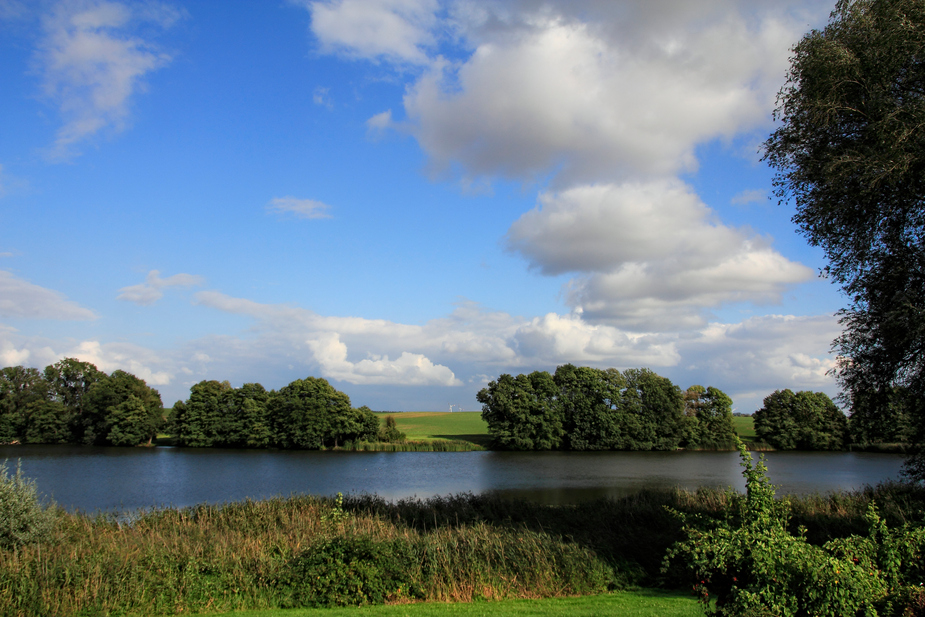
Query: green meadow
[432, 425]
[468, 426]
[637, 603]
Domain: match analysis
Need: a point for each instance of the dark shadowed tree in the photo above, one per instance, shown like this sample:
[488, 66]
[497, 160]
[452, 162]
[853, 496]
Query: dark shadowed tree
[23, 391]
[306, 414]
[590, 401]
[709, 416]
[522, 412]
[103, 418]
[850, 152]
[801, 421]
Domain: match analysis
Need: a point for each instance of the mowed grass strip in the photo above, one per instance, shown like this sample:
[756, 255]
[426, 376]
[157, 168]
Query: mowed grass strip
[427, 425]
[638, 603]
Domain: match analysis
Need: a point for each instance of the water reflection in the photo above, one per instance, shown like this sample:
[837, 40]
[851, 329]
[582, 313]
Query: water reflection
[88, 478]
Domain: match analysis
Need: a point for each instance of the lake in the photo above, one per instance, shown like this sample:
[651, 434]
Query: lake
[94, 478]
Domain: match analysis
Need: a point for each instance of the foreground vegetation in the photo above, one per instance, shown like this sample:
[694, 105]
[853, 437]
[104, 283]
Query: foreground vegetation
[632, 603]
[307, 551]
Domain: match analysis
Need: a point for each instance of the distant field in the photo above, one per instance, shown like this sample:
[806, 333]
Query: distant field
[745, 427]
[469, 426]
[461, 425]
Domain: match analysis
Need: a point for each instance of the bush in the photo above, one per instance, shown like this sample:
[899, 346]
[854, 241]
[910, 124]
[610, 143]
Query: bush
[23, 519]
[344, 571]
[750, 564]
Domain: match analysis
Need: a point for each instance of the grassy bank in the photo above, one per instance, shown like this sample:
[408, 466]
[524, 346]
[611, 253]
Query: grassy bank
[636, 603]
[307, 551]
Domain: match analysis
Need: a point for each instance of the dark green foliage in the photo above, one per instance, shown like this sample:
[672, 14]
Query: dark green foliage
[801, 421]
[74, 402]
[70, 380]
[107, 413]
[883, 417]
[199, 419]
[349, 571]
[709, 419]
[21, 391]
[48, 422]
[522, 412]
[583, 408]
[390, 433]
[749, 563]
[850, 151]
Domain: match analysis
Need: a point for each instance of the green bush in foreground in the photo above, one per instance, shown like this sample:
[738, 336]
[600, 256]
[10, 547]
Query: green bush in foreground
[23, 519]
[750, 564]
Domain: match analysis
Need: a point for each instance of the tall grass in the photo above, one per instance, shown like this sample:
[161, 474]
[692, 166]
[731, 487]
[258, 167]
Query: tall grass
[436, 445]
[298, 550]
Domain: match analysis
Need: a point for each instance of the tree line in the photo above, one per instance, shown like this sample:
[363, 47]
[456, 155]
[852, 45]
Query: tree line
[812, 421]
[74, 402]
[583, 408]
[307, 414]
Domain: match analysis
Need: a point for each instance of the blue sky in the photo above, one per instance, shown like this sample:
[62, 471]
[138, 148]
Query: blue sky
[405, 197]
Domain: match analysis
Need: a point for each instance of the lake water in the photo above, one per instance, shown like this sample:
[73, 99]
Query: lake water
[89, 478]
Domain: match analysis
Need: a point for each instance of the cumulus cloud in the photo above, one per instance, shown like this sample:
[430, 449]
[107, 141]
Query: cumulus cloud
[300, 208]
[92, 64]
[151, 290]
[152, 366]
[595, 93]
[650, 255]
[410, 369]
[394, 30]
[19, 298]
[751, 359]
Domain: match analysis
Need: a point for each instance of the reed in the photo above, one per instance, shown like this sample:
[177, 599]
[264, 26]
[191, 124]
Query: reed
[278, 552]
[435, 445]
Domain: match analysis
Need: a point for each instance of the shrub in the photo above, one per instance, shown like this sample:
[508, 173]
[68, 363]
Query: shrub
[23, 519]
[750, 564]
[348, 570]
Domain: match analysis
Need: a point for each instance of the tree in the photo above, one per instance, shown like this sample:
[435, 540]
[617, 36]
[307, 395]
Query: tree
[199, 419]
[709, 413]
[22, 391]
[659, 409]
[590, 401]
[882, 417]
[105, 417]
[850, 151]
[304, 414]
[522, 413]
[801, 421]
[70, 380]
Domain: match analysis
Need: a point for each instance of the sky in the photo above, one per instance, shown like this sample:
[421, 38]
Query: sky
[407, 198]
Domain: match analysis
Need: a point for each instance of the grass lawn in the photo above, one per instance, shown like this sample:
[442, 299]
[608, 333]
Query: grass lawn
[424, 425]
[469, 426]
[640, 603]
[745, 427]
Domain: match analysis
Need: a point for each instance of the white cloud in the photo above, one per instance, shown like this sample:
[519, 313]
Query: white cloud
[92, 64]
[153, 367]
[556, 339]
[300, 208]
[150, 291]
[394, 30]
[410, 369]
[753, 196]
[595, 93]
[650, 255]
[751, 359]
[22, 299]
